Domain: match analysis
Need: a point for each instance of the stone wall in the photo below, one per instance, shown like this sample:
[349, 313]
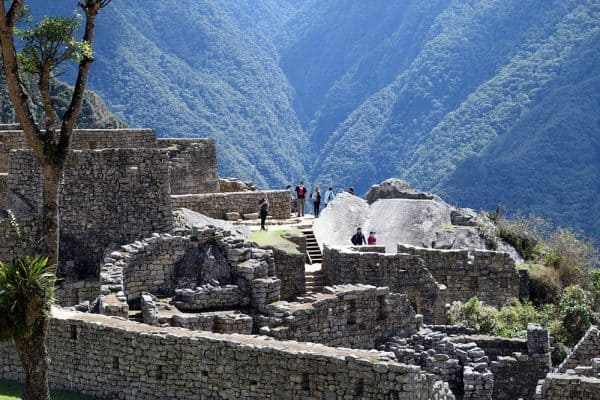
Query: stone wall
[356, 316]
[110, 358]
[192, 165]
[3, 186]
[215, 205]
[151, 265]
[75, 292]
[110, 197]
[9, 140]
[491, 276]
[558, 386]
[401, 272]
[463, 365]
[13, 246]
[95, 139]
[583, 352]
[289, 267]
[516, 375]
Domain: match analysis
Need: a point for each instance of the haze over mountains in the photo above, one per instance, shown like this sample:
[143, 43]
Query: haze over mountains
[481, 101]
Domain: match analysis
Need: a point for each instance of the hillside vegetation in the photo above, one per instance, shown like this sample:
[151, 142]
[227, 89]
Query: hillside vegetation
[482, 101]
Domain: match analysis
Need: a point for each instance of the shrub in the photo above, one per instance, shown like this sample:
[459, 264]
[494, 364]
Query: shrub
[544, 285]
[474, 314]
[525, 234]
[572, 256]
[512, 319]
[576, 313]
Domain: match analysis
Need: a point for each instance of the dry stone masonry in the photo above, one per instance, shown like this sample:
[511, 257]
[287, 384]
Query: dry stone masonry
[192, 295]
[217, 205]
[109, 358]
[356, 316]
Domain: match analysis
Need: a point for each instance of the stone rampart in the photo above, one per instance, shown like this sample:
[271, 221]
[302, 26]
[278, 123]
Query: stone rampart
[402, 273]
[216, 205]
[192, 165]
[110, 358]
[491, 276]
[356, 316]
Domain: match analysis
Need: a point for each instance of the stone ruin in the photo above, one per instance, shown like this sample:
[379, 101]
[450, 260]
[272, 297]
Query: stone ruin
[166, 301]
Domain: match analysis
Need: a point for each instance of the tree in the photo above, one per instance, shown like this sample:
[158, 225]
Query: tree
[46, 47]
[26, 288]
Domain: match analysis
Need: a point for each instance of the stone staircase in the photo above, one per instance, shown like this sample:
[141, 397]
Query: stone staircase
[313, 252]
[314, 281]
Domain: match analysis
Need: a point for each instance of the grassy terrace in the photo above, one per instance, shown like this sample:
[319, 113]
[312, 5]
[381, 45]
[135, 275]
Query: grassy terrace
[10, 390]
[276, 239]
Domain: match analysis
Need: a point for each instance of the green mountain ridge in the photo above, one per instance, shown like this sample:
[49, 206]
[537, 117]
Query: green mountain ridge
[482, 101]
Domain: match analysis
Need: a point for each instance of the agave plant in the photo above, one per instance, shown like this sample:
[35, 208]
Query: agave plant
[26, 289]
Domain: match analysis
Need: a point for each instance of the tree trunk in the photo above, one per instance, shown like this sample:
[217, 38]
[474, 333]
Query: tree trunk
[34, 360]
[53, 172]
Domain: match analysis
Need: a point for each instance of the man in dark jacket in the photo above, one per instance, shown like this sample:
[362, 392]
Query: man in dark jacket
[358, 239]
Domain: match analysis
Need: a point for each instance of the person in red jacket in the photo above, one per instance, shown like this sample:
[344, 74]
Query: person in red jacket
[301, 198]
[371, 240]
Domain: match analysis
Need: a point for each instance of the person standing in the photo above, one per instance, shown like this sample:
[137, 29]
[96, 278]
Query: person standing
[300, 198]
[292, 198]
[316, 200]
[264, 210]
[371, 240]
[358, 239]
[329, 196]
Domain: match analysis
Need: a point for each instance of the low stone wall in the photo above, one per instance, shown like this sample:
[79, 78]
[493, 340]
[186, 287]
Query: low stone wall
[218, 322]
[583, 352]
[192, 165]
[10, 139]
[110, 358]
[491, 276]
[403, 273]
[356, 316]
[462, 364]
[289, 267]
[495, 346]
[75, 292]
[208, 297]
[558, 386]
[215, 205]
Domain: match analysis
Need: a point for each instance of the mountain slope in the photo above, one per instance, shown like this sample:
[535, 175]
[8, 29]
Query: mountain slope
[483, 101]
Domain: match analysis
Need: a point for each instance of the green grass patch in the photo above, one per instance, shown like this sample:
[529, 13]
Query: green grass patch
[10, 390]
[276, 239]
[530, 266]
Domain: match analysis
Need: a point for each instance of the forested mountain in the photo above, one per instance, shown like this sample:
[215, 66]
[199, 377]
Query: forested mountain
[483, 101]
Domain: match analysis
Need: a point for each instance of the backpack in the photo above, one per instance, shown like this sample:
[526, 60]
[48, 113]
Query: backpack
[315, 196]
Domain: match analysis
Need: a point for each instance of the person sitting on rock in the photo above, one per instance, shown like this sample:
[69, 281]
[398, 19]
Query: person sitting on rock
[358, 239]
[372, 240]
